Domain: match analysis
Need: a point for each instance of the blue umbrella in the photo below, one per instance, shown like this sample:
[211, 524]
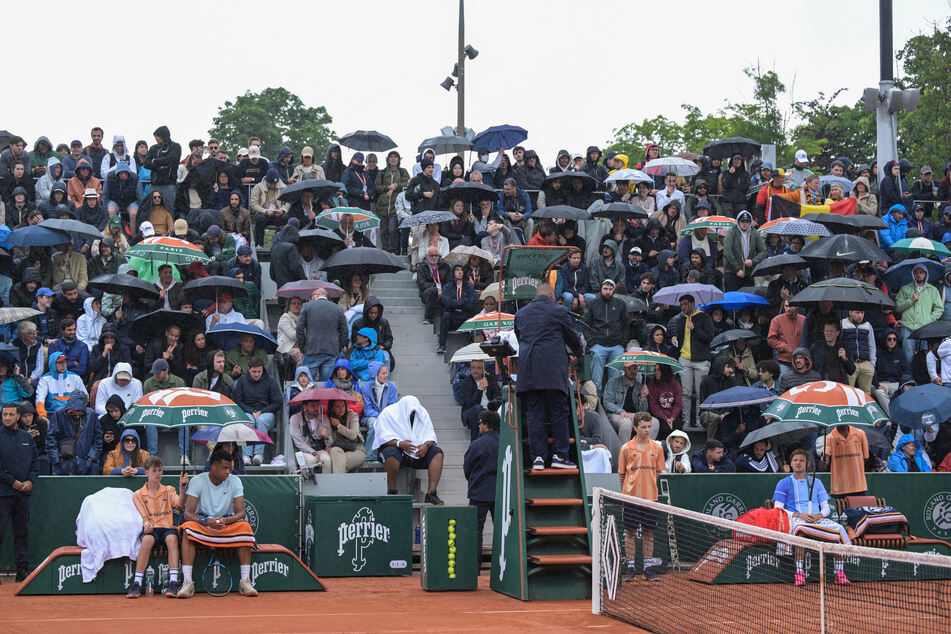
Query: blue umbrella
[36, 236]
[226, 336]
[900, 274]
[499, 136]
[739, 396]
[735, 300]
[921, 406]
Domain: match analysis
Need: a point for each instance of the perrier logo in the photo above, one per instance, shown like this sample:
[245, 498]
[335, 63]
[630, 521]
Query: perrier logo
[363, 531]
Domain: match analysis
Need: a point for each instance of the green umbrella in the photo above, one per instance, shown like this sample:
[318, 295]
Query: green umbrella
[827, 404]
[923, 245]
[489, 321]
[167, 249]
[183, 407]
[645, 360]
[362, 220]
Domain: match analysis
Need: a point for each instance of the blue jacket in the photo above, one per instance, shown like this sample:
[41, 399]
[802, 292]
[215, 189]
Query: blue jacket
[361, 358]
[898, 462]
[480, 465]
[469, 302]
[896, 229]
[126, 458]
[698, 462]
[521, 203]
[356, 188]
[88, 442]
[77, 352]
[18, 459]
[372, 409]
[121, 192]
[574, 281]
[543, 329]
[284, 171]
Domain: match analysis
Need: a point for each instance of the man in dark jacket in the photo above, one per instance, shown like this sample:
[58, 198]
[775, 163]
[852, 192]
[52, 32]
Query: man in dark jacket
[666, 269]
[360, 192]
[694, 334]
[460, 301]
[606, 316]
[544, 329]
[531, 175]
[711, 459]
[162, 159]
[19, 468]
[285, 258]
[479, 466]
[373, 318]
[591, 166]
[474, 393]
[107, 353]
[74, 439]
[422, 189]
[321, 334]
[721, 377]
[830, 358]
[802, 371]
[258, 394]
[23, 294]
[430, 276]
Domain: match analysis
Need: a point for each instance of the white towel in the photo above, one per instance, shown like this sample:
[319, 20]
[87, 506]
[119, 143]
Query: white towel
[393, 424]
[108, 526]
[596, 460]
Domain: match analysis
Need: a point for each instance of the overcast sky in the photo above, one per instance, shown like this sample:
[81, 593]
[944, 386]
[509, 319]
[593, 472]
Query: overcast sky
[568, 72]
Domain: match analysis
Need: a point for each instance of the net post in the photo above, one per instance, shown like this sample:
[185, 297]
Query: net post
[822, 590]
[596, 551]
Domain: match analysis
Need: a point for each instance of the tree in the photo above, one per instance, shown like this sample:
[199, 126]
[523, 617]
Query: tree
[275, 115]
[828, 131]
[924, 136]
[762, 120]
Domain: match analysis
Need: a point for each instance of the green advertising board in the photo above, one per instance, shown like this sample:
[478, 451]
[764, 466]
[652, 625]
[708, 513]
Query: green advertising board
[272, 503]
[359, 536]
[449, 560]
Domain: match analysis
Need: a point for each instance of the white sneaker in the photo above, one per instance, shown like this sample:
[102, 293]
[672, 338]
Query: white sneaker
[257, 460]
[187, 591]
[247, 461]
[245, 588]
[188, 462]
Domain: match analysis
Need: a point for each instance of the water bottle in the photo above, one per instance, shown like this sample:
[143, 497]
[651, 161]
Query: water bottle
[149, 581]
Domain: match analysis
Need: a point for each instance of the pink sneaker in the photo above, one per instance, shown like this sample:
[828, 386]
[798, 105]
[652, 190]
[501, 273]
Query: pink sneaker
[800, 578]
[841, 579]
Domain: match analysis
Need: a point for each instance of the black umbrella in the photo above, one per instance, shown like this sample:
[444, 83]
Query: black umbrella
[319, 237]
[846, 293]
[365, 260]
[73, 227]
[725, 148]
[784, 432]
[367, 141]
[119, 283]
[844, 248]
[754, 290]
[446, 144]
[149, 326]
[729, 336]
[634, 304]
[566, 212]
[935, 330]
[620, 211]
[209, 287]
[590, 183]
[837, 223]
[320, 187]
[5, 139]
[776, 264]
[469, 192]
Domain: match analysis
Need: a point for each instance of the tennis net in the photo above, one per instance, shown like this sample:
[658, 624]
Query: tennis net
[714, 574]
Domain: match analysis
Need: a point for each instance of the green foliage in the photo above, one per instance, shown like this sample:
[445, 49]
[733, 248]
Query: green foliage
[275, 115]
[827, 131]
[924, 136]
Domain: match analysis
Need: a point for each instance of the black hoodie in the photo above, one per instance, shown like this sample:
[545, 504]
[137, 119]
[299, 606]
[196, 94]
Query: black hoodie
[333, 167]
[107, 424]
[163, 158]
[384, 336]
[591, 166]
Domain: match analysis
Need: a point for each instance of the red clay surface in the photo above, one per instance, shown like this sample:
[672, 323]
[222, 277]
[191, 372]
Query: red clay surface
[368, 604]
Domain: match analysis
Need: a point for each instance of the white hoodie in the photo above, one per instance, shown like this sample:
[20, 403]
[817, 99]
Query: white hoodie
[683, 457]
[89, 325]
[107, 387]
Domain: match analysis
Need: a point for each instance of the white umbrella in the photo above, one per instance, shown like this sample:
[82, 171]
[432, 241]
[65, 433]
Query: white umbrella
[492, 290]
[632, 175]
[472, 352]
[679, 166]
[460, 255]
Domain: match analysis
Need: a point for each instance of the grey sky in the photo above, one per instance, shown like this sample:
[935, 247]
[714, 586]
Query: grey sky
[569, 72]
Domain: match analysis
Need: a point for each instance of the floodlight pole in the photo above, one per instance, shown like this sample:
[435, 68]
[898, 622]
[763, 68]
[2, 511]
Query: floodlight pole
[886, 122]
[461, 79]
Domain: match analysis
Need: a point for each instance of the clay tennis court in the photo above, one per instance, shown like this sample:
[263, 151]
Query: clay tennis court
[372, 604]
[675, 603]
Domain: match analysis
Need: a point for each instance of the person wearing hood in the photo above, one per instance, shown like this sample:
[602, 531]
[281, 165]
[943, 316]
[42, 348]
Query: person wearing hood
[121, 190]
[343, 378]
[389, 182]
[52, 174]
[90, 323]
[701, 200]
[606, 266]
[801, 371]
[455, 173]
[373, 318]
[707, 174]
[81, 182]
[332, 166]
[865, 201]
[104, 261]
[23, 293]
[918, 220]
[119, 384]
[722, 376]
[743, 249]
[909, 457]
[562, 162]
[285, 258]
[672, 222]
[677, 452]
[919, 303]
[428, 154]
[40, 155]
[359, 184]
[378, 393]
[58, 197]
[460, 302]
[285, 165]
[893, 189]
[127, 458]
[119, 154]
[666, 270]
[303, 380]
[258, 394]
[531, 175]
[162, 160]
[74, 438]
[592, 167]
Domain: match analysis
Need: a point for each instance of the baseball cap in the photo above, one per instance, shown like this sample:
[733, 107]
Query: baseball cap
[128, 377]
[926, 170]
[180, 227]
[244, 250]
[75, 143]
[307, 151]
[44, 291]
[254, 151]
[115, 221]
[636, 250]
[159, 365]
[801, 156]
[358, 157]
[242, 151]
[147, 229]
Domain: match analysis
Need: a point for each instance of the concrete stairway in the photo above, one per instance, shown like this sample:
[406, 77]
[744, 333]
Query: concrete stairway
[424, 374]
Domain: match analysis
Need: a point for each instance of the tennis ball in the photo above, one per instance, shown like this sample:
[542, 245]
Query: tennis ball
[452, 549]
[452, 542]
[451, 556]
[452, 575]
[450, 571]
[452, 522]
